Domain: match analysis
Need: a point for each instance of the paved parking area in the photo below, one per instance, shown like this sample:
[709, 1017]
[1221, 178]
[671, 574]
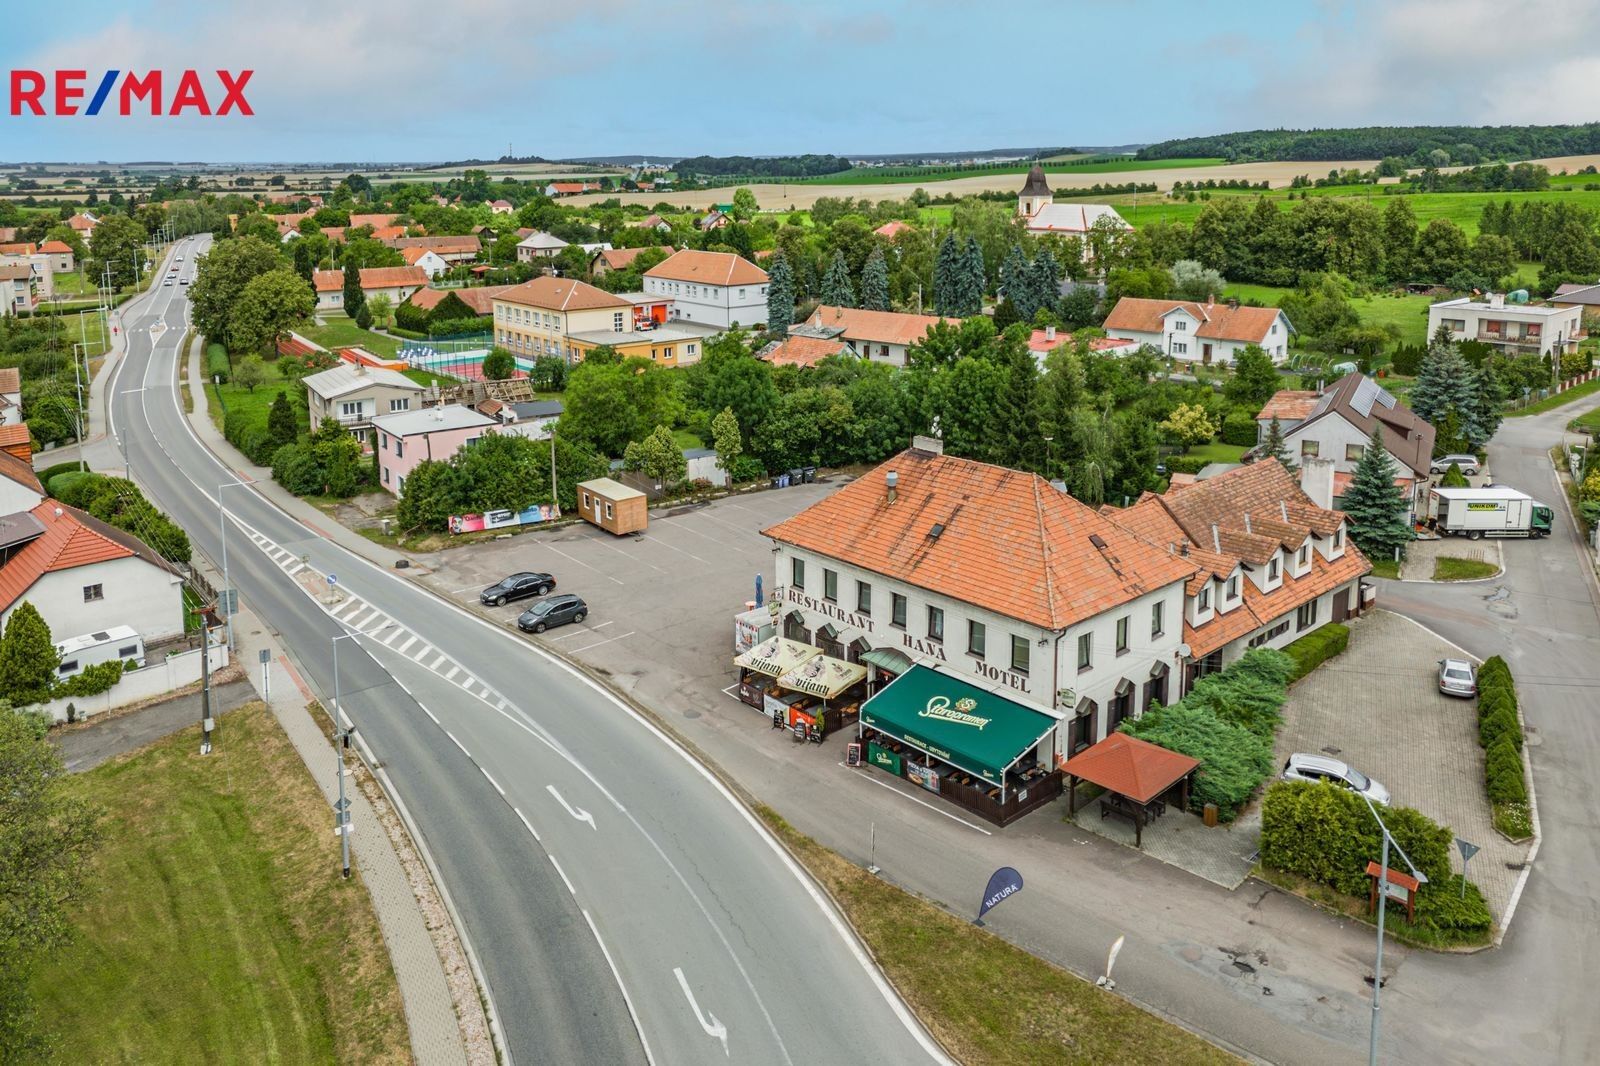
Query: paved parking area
[1422, 554]
[1379, 709]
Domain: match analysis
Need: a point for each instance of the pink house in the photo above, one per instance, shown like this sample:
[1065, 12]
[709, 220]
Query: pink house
[406, 438]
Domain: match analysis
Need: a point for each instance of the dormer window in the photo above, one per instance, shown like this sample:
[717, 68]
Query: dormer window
[1272, 569]
[1305, 556]
[1233, 587]
[1338, 538]
[1202, 602]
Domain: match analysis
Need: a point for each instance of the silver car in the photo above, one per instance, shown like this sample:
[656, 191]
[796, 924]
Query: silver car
[1467, 463]
[1303, 767]
[1457, 678]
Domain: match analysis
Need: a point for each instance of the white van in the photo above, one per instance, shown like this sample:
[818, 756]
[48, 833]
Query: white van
[91, 649]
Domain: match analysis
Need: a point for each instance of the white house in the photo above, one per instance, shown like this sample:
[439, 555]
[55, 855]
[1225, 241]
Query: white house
[84, 576]
[881, 336]
[1040, 214]
[426, 260]
[355, 394]
[10, 396]
[533, 419]
[1337, 423]
[539, 246]
[714, 288]
[1200, 333]
[397, 283]
[1516, 329]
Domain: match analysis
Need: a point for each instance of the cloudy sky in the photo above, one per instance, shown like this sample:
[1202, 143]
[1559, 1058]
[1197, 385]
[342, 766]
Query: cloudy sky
[342, 80]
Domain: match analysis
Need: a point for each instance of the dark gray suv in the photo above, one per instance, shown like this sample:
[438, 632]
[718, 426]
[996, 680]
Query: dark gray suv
[554, 611]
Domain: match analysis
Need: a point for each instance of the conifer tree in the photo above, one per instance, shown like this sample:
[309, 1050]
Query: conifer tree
[836, 288]
[355, 301]
[28, 657]
[1377, 511]
[972, 280]
[875, 282]
[945, 270]
[1273, 447]
[1444, 383]
[1014, 283]
[780, 295]
[1044, 281]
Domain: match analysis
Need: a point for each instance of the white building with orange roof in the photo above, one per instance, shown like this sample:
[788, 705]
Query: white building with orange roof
[1040, 214]
[714, 288]
[881, 336]
[539, 317]
[426, 260]
[1200, 332]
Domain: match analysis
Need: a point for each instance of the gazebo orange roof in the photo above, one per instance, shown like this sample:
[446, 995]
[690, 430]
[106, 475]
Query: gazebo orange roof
[1130, 767]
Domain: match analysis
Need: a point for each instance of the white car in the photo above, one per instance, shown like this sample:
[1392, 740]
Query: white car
[1457, 678]
[1468, 464]
[1303, 767]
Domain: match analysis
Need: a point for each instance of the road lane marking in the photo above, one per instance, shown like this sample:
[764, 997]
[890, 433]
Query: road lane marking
[458, 743]
[396, 635]
[649, 1057]
[422, 652]
[527, 823]
[714, 1029]
[454, 670]
[438, 660]
[402, 649]
[581, 630]
[564, 879]
[680, 551]
[492, 781]
[577, 812]
[597, 643]
[429, 713]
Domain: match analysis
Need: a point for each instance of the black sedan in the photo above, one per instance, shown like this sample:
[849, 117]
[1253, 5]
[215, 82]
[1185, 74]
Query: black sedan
[516, 587]
[555, 611]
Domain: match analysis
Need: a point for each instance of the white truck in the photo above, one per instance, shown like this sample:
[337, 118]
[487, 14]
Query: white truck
[1493, 511]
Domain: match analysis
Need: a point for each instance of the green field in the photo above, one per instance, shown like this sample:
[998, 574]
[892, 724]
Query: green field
[898, 175]
[256, 404]
[218, 928]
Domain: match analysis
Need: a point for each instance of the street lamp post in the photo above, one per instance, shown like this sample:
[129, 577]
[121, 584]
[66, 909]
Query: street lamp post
[222, 531]
[341, 743]
[1383, 906]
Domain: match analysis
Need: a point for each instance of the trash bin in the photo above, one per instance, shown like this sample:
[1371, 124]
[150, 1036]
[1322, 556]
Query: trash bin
[796, 476]
[1211, 816]
[809, 474]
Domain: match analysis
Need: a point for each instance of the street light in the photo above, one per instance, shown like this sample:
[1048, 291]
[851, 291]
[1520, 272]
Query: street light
[1383, 906]
[222, 531]
[341, 742]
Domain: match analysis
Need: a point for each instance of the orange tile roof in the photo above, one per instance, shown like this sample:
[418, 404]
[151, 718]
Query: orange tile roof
[1289, 404]
[392, 277]
[708, 268]
[411, 255]
[20, 472]
[622, 258]
[56, 247]
[1217, 321]
[561, 294]
[1131, 767]
[453, 245]
[893, 227]
[71, 539]
[10, 379]
[82, 223]
[333, 233]
[388, 233]
[879, 327]
[479, 298]
[327, 280]
[18, 248]
[1222, 629]
[1009, 542]
[802, 351]
[375, 221]
[14, 434]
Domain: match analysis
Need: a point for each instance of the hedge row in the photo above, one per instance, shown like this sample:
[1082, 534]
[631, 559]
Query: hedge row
[218, 368]
[1227, 721]
[1327, 834]
[1316, 648]
[1500, 734]
[1186, 464]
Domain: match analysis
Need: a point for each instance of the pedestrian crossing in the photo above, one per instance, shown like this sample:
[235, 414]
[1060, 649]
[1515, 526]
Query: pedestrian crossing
[358, 615]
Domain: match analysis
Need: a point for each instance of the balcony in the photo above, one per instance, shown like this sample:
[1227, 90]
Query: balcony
[1522, 340]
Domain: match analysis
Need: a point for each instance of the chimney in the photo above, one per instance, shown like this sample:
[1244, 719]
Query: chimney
[931, 445]
[892, 480]
[1211, 299]
[1316, 481]
[1247, 528]
[1497, 300]
[1216, 539]
[1049, 333]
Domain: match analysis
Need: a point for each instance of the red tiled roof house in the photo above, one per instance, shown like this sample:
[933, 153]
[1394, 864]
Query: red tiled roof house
[1200, 333]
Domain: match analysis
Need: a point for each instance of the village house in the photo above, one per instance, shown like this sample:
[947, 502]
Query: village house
[354, 394]
[534, 419]
[1515, 329]
[479, 298]
[1200, 333]
[608, 259]
[453, 249]
[10, 396]
[540, 316]
[570, 188]
[893, 228]
[1044, 341]
[1336, 425]
[426, 260]
[655, 222]
[804, 347]
[376, 221]
[397, 283]
[715, 219]
[406, 438]
[673, 345]
[83, 223]
[712, 288]
[881, 336]
[500, 207]
[19, 289]
[61, 258]
[1040, 214]
[539, 246]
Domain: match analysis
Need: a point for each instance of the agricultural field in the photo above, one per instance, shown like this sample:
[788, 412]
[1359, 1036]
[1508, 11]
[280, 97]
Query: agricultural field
[1059, 165]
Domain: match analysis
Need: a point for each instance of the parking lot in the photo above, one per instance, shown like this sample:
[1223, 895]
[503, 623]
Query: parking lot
[661, 602]
[1378, 707]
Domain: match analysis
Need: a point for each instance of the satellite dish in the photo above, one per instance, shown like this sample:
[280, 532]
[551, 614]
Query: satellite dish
[1183, 650]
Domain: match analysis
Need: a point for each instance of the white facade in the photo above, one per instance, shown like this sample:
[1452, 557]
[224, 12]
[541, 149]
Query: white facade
[119, 592]
[431, 263]
[1517, 329]
[713, 305]
[1049, 678]
[397, 294]
[1179, 338]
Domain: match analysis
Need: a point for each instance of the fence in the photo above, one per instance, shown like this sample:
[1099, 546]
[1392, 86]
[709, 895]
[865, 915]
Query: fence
[170, 673]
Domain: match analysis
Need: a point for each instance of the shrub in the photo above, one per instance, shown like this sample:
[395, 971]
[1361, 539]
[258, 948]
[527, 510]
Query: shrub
[1501, 723]
[218, 368]
[1442, 908]
[66, 486]
[50, 472]
[1491, 702]
[1186, 464]
[1502, 773]
[91, 681]
[1327, 834]
[1250, 694]
[747, 468]
[1494, 667]
[1317, 647]
[1233, 760]
[1239, 429]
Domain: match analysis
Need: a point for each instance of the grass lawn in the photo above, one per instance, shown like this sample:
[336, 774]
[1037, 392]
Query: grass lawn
[986, 1000]
[238, 398]
[1589, 421]
[1560, 399]
[1385, 568]
[686, 439]
[426, 378]
[1449, 568]
[219, 929]
[1265, 295]
[1408, 313]
[341, 332]
[1217, 452]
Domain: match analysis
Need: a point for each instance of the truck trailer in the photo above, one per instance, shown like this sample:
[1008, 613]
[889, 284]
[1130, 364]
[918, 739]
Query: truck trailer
[1494, 511]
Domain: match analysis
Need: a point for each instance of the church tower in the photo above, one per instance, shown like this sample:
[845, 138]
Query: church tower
[1035, 194]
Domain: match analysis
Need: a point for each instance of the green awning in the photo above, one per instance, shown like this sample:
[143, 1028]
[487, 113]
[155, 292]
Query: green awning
[887, 659]
[977, 731]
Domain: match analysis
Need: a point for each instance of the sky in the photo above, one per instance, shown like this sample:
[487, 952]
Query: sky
[404, 80]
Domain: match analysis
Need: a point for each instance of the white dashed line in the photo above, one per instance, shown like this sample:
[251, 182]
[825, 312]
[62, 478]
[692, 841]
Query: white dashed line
[454, 670]
[422, 652]
[563, 874]
[492, 781]
[410, 641]
[597, 643]
[458, 743]
[527, 823]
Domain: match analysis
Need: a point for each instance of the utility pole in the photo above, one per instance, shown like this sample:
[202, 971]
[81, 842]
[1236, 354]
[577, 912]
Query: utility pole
[206, 721]
[341, 742]
[555, 500]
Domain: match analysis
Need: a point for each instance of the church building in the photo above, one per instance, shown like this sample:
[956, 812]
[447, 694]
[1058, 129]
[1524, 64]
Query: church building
[1037, 208]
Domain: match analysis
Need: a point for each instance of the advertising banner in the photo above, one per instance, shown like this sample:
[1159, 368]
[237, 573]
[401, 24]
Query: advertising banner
[471, 523]
[1003, 883]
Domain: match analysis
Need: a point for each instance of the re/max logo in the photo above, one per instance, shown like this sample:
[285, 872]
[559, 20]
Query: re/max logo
[66, 90]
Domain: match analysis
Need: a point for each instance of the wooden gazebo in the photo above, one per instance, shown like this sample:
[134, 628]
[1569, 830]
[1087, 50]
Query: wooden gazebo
[1136, 776]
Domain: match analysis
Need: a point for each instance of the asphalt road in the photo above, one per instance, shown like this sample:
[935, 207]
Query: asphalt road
[622, 904]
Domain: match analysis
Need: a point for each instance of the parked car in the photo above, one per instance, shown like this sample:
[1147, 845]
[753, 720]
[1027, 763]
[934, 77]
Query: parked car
[518, 586]
[1467, 463]
[554, 611]
[1457, 678]
[1303, 767]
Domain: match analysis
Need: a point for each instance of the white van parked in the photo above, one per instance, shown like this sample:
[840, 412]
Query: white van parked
[91, 649]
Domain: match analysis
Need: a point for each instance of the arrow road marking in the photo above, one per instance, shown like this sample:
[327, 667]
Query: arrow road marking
[713, 1028]
[577, 812]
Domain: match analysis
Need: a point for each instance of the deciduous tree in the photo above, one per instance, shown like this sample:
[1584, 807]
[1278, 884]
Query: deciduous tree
[250, 372]
[1254, 378]
[499, 365]
[658, 457]
[726, 439]
[270, 304]
[1189, 424]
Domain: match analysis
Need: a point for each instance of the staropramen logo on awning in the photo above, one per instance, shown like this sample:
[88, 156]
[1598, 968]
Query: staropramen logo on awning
[961, 714]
